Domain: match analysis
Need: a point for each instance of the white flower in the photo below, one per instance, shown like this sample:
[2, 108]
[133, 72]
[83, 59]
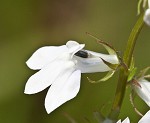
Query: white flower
[125, 121]
[144, 119]
[147, 14]
[61, 67]
[143, 90]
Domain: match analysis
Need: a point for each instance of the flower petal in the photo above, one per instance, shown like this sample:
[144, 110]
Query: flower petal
[74, 47]
[119, 121]
[94, 63]
[147, 17]
[44, 55]
[63, 89]
[46, 76]
[143, 91]
[126, 120]
[145, 118]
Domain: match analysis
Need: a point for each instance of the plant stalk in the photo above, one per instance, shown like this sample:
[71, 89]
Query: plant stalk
[123, 73]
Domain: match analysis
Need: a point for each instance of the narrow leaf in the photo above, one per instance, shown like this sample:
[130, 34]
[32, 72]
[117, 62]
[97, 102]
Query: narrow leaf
[132, 74]
[132, 64]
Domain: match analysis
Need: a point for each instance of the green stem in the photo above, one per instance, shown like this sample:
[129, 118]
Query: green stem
[123, 73]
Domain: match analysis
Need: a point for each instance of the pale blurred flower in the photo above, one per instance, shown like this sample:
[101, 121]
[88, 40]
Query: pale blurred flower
[144, 119]
[61, 67]
[143, 90]
[147, 14]
[107, 121]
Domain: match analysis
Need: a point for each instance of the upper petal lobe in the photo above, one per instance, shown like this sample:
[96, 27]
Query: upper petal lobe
[44, 55]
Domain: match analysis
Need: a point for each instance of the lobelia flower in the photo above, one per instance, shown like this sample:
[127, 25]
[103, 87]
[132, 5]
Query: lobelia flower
[60, 67]
[147, 14]
[143, 90]
[144, 119]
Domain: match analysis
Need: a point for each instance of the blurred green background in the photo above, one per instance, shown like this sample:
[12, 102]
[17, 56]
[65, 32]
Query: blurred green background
[26, 25]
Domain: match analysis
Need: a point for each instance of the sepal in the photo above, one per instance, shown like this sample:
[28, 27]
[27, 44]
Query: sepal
[132, 96]
[111, 50]
[142, 73]
[105, 78]
[110, 65]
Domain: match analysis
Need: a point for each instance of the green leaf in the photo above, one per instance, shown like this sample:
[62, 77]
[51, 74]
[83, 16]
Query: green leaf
[132, 64]
[105, 78]
[132, 70]
[132, 74]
